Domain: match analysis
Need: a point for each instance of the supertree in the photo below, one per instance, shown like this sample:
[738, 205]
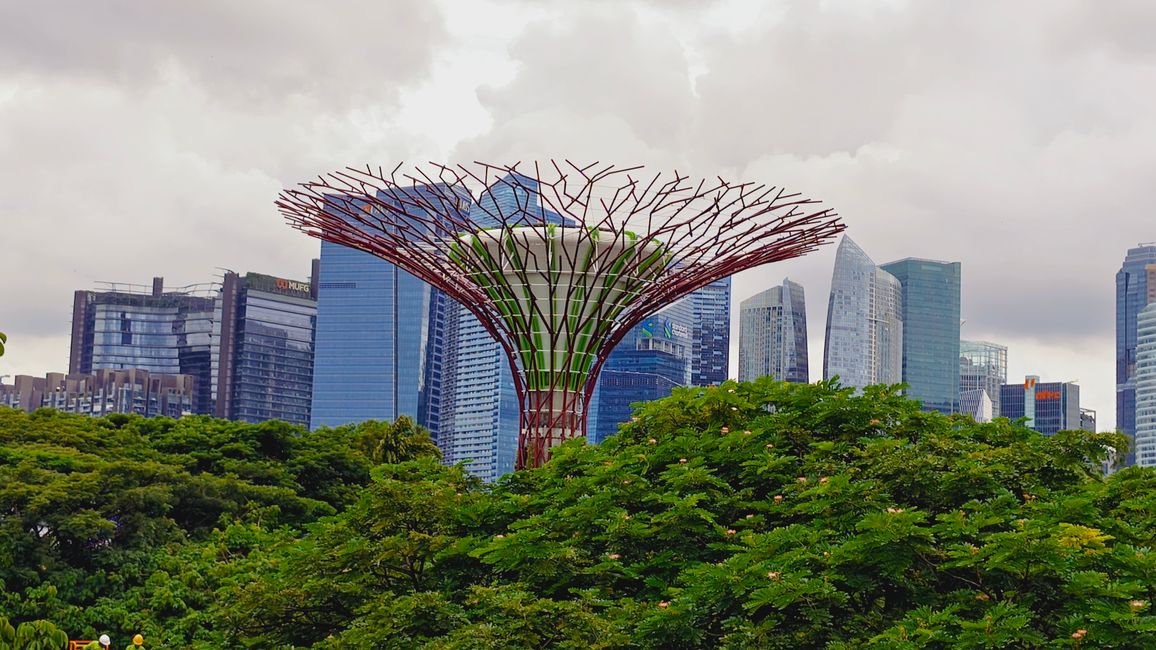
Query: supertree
[557, 261]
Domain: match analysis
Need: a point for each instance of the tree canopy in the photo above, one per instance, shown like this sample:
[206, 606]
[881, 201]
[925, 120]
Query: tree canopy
[97, 515]
[755, 515]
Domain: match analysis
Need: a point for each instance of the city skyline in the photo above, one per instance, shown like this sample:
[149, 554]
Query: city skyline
[171, 145]
[735, 361]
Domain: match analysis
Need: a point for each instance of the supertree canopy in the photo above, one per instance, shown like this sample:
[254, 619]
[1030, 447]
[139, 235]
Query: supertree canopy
[558, 261]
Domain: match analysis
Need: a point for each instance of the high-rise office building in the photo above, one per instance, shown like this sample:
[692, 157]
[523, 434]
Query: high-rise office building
[265, 366]
[931, 293]
[1135, 284]
[864, 337]
[478, 407]
[982, 366]
[379, 338]
[648, 364]
[711, 335]
[773, 335]
[374, 323]
[1049, 407]
[479, 410]
[158, 330]
[1145, 387]
[245, 343]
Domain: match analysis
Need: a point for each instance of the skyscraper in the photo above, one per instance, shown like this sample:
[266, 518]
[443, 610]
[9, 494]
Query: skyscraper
[648, 364]
[479, 411]
[930, 331]
[379, 329]
[373, 327]
[773, 335]
[1049, 407]
[1145, 383]
[265, 369]
[865, 329]
[159, 330]
[982, 366]
[711, 335]
[1134, 284]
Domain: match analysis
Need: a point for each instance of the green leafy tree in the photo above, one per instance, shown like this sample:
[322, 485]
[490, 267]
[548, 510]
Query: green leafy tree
[3, 340]
[762, 515]
[129, 524]
[758, 515]
[34, 635]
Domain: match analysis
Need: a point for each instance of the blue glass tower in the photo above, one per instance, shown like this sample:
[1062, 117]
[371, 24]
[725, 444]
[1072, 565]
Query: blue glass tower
[1049, 407]
[653, 359]
[373, 328]
[379, 341]
[1132, 296]
[479, 409]
[773, 335]
[710, 354]
[265, 368]
[931, 293]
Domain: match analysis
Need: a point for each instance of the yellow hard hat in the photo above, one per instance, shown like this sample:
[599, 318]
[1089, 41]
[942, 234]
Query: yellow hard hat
[138, 640]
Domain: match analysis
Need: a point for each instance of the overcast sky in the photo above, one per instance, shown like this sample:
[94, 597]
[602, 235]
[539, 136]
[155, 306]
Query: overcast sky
[1019, 138]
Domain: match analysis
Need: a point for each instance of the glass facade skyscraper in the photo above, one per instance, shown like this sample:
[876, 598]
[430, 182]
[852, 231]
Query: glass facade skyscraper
[479, 415]
[648, 364]
[931, 293]
[373, 327]
[773, 335]
[711, 337]
[379, 340]
[478, 409]
[982, 366]
[1049, 407]
[1134, 284]
[157, 330]
[865, 329]
[265, 370]
[1145, 381]
[246, 342]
